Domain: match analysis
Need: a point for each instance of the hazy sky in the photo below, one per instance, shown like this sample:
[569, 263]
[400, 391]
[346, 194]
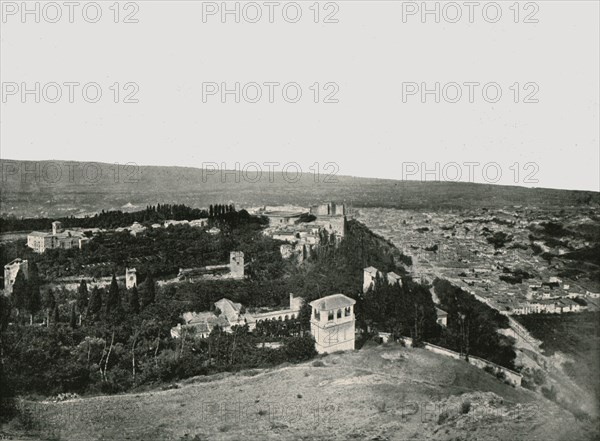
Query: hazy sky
[370, 56]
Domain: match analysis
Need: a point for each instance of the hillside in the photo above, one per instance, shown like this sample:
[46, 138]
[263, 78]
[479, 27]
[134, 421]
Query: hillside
[379, 393]
[58, 188]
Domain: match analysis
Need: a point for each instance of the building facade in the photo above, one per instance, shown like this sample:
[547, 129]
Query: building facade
[332, 323]
[58, 238]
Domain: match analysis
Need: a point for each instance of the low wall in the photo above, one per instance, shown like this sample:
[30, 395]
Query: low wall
[511, 376]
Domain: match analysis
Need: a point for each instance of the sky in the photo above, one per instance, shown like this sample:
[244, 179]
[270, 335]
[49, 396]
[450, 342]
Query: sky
[497, 94]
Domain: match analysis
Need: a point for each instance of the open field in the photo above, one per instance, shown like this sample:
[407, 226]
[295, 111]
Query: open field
[385, 393]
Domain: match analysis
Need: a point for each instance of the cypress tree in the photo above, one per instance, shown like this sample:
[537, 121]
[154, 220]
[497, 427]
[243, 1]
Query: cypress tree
[82, 296]
[49, 304]
[95, 304]
[149, 291]
[56, 315]
[73, 318]
[19, 293]
[114, 298]
[134, 300]
[34, 300]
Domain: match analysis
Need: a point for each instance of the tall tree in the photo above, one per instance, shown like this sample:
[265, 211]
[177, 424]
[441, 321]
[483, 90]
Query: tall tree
[19, 293]
[56, 315]
[95, 304]
[73, 317]
[49, 303]
[34, 300]
[149, 291]
[113, 302]
[134, 300]
[82, 298]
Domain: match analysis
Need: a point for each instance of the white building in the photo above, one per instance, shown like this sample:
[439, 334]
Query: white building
[40, 242]
[332, 323]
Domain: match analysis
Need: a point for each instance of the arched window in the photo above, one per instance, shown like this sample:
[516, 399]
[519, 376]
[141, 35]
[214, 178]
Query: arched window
[347, 311]
[286, 317]
[339, 313]
[330, 316]
[293, 316]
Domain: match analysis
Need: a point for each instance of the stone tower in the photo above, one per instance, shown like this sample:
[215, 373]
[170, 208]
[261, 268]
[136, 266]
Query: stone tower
[332, 323]
[10, 273]
[56, 228]
[130, 278]
[236, 264]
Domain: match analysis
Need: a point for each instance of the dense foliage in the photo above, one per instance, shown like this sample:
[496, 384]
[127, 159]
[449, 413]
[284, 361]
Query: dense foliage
[160, 251]
[473, 326]
[114, 219]
[91, 340]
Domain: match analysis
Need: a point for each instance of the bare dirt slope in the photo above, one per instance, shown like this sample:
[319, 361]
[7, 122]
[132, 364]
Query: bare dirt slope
[379, 393]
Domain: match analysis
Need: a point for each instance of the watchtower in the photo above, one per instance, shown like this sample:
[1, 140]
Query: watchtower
[236, 264]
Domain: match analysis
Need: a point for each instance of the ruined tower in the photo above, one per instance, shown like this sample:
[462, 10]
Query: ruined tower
[236, 264]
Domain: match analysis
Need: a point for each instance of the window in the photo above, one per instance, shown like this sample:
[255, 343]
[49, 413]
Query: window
[347, 311]
[330, 316]
[339, 313]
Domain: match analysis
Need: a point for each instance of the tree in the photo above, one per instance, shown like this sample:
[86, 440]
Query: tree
[6, 393]
[82, 298]
[113, 303]
[95, 304]
[73, 318]
[134, 301]
[56, 315]
[49, 303]
[149, 291]
[19, 292]
[34, 300]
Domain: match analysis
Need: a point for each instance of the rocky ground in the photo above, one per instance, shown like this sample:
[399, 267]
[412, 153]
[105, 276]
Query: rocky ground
[379, 393]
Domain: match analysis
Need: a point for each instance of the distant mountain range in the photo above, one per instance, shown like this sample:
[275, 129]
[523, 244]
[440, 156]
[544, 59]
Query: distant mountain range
[59, 188]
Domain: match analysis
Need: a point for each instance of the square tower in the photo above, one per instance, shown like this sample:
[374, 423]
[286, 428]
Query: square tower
[130, 278]
[236, 264]
[332, 323]
[56, 228]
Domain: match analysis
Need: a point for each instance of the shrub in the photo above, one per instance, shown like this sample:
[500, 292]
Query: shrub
[465, 407]
[381, 406]
[549, 392]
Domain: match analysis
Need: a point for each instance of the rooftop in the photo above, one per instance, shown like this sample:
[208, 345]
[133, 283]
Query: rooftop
[334, 301]
[283, 213]
[39, 234]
